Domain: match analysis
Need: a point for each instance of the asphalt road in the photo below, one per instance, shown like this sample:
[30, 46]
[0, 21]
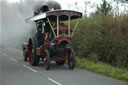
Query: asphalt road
[14, 71]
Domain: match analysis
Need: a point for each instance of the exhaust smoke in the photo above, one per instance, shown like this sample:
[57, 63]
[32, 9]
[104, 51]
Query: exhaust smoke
[14, 30]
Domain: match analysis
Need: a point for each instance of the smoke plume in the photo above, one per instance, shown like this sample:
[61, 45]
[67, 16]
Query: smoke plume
[14, 30]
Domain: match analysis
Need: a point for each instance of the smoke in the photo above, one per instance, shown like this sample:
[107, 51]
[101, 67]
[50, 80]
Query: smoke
[14, 30]
[13, 27]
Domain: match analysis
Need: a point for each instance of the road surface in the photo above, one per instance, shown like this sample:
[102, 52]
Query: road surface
[14, 71]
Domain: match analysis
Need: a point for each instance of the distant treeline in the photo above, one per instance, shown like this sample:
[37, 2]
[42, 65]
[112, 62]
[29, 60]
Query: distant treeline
[102, 38]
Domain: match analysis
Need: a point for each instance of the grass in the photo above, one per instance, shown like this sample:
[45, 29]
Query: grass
[102, 68]
[17, 47]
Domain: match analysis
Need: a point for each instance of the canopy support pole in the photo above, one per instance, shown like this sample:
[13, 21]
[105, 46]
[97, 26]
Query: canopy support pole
[75, 27]
[69, 19]
[57, 26]
[51, 27]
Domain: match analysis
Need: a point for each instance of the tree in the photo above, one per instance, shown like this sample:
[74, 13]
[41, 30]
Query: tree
[119, 1]
[104, 8]
[123, 1]
[86, 3]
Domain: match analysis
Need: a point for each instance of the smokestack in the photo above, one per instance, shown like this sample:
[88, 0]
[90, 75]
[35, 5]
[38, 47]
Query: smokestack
[54, 5]
[45, 6]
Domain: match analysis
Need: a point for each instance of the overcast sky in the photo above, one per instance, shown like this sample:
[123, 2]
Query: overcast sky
[70, 4]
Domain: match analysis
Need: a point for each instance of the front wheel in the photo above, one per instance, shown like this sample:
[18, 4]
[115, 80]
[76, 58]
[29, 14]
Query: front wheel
[33, 58]
[71, 59]
[47, 60]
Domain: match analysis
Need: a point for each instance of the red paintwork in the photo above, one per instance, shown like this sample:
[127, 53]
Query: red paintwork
[60, 39]
[59, 58]
[62, 29]
[47, 45]
[63, 38]
[45, 62]
[67, 50]
[30, 53]
[42, 51]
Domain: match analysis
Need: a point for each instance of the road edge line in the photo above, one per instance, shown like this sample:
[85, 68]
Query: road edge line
[30, 68]
[13, 59]
[57, 83]
[3, 54]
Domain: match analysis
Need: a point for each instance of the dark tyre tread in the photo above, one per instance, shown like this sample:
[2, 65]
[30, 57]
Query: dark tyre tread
[35, 58]
[71, 61]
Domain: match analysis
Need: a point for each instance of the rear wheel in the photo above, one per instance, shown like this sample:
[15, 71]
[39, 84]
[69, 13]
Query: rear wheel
[47, 60]
[71, 59]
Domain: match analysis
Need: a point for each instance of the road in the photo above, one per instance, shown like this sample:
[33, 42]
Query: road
[14, 71]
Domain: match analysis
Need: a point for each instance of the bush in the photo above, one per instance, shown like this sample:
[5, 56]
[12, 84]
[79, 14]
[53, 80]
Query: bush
[103, 38]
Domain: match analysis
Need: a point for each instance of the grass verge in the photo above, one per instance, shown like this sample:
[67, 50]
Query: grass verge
[102, 68]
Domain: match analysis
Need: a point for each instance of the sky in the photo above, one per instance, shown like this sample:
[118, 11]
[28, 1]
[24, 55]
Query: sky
[80, 5]
[70, 4]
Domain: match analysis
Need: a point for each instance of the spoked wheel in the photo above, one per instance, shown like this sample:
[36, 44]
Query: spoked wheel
[33, 58]
[47, 60]
[71, 59]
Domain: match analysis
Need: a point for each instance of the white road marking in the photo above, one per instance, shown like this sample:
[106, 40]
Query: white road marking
[13, 59]
[54, 81]
[4, 54]
[30, 68]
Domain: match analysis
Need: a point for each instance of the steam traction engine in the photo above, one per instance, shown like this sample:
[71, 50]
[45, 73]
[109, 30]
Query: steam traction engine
[52, 45]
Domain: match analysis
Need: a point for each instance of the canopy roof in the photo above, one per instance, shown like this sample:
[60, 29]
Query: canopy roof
[52, 15]
[63, 15]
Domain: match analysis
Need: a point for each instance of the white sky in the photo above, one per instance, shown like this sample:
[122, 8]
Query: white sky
[65, 4]
[70, 4]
